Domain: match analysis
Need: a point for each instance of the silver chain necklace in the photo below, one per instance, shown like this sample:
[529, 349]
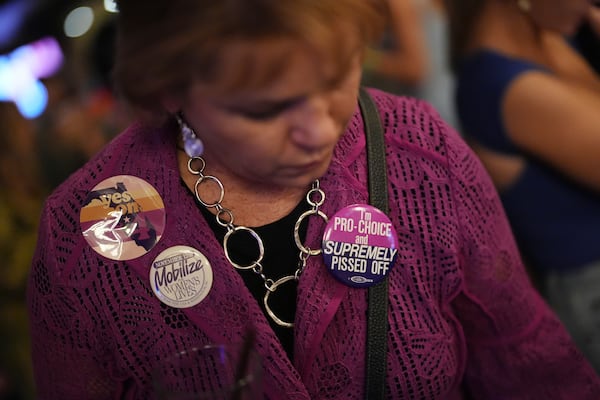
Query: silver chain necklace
[224, 217]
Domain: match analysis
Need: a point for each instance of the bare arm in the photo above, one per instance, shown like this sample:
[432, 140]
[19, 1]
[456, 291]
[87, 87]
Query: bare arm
[407, 62]
[558, 121]
[568, 64]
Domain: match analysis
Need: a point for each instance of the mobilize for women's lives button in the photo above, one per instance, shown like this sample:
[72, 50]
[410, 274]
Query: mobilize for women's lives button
[360, 245]
[181, 276]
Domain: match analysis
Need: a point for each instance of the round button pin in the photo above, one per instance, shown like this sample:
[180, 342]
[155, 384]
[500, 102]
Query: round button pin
[181, 276]
[360, 245]
[123, 217]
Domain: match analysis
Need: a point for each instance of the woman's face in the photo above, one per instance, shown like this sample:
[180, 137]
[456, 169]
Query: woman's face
[562, 16]
[282, 132]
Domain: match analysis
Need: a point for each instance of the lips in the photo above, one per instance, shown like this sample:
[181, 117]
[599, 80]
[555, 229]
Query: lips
[311, 168]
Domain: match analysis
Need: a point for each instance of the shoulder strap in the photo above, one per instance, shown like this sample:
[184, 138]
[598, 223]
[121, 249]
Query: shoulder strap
[376, 362]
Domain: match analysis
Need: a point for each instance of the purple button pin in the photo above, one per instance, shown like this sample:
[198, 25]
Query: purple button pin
[360, 245]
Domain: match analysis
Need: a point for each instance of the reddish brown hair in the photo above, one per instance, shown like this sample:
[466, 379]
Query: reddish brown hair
[163, 46]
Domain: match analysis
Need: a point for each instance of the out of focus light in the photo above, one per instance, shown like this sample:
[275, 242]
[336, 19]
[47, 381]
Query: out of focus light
[12, 14]
[21, 71]
[41, 58]
[79, 21]
[34, 100]
[110, 6]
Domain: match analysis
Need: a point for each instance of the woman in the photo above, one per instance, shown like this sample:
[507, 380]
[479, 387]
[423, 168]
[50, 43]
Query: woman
[411, 58]
[399, 62]
[529, 103]
[251, 178]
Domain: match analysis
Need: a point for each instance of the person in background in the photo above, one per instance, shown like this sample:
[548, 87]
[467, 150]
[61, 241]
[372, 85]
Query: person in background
[245, 178]
[528, 103]
[398, 61]
[438, 85]
[412, 57]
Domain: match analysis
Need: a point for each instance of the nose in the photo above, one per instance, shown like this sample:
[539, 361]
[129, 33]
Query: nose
[313, 126]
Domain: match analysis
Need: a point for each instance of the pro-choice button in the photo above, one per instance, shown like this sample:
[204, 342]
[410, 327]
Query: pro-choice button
[360, 245]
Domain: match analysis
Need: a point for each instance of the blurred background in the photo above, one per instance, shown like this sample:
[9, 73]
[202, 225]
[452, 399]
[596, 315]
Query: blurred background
[56, 110]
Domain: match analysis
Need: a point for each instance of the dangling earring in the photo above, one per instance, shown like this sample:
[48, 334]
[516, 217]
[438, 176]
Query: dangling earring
[524, 5]
[192, 144]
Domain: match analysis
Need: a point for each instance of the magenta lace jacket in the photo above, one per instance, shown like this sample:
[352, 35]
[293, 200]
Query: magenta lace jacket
[463, 316]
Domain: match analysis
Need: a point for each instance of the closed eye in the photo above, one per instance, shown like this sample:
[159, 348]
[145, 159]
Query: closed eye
[265, 111]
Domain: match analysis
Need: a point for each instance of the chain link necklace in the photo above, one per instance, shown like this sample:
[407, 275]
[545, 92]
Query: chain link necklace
[224, 217]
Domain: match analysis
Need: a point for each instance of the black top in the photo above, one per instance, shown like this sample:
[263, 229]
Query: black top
[280, 259]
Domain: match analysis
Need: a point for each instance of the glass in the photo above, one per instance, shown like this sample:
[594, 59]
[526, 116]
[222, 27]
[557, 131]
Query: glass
[210, 372]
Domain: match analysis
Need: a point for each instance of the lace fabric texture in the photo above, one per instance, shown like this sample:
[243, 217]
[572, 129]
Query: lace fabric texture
[463, 316]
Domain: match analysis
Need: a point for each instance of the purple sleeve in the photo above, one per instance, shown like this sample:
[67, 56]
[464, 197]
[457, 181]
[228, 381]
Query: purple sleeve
[516, 347]
[67, 339]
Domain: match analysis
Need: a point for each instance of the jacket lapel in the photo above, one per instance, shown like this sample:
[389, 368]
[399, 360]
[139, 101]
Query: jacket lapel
[229, 308]
[319, 293]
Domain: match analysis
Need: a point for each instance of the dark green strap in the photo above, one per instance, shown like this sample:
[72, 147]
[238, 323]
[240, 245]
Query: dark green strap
[376, 363]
